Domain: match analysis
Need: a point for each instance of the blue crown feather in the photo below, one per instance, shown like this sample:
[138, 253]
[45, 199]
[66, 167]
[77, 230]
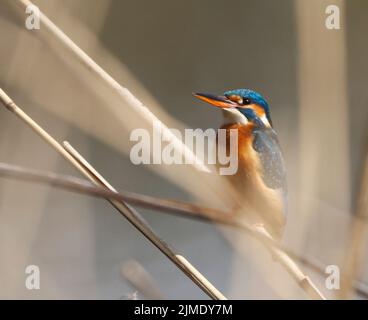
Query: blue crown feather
[255, 98]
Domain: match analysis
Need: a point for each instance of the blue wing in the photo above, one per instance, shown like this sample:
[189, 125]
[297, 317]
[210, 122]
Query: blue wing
[265, 142]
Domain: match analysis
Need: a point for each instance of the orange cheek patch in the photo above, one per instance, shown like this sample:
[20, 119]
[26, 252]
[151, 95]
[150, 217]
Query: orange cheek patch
[257, 109]
[235, 98]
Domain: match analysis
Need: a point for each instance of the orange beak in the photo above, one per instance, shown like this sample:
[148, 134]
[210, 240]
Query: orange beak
[217, 101]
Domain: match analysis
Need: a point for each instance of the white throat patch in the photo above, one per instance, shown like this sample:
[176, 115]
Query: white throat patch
[232, 115]
[265, 121]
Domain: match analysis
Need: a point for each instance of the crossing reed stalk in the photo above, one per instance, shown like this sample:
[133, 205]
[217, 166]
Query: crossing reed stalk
[304, 282]
[133, 217]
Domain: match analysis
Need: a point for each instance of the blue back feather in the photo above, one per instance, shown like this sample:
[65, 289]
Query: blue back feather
[267, 145]
[273, 167]
[265, 142]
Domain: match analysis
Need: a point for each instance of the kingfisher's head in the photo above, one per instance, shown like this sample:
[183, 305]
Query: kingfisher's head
[235, 102]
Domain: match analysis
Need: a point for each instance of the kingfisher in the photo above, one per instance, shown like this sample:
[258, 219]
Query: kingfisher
[260, 180]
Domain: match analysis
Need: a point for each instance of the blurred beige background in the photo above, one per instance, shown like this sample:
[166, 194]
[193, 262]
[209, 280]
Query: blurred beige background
[313, 78]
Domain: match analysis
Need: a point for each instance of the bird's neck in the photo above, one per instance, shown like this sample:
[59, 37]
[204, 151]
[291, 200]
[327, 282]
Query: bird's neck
[233, 116]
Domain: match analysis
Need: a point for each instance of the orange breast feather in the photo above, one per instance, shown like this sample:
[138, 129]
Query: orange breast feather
[248, 181]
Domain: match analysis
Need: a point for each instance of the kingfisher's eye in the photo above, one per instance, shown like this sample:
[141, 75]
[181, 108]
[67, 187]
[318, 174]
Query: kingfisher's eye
[246, 101]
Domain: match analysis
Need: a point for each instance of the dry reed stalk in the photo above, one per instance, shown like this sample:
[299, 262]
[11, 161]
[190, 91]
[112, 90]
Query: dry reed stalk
[293, 269]
[133, 102]
[183, 209]
[83, 166]
[122, 92]
[133, 217]
[358, 231]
